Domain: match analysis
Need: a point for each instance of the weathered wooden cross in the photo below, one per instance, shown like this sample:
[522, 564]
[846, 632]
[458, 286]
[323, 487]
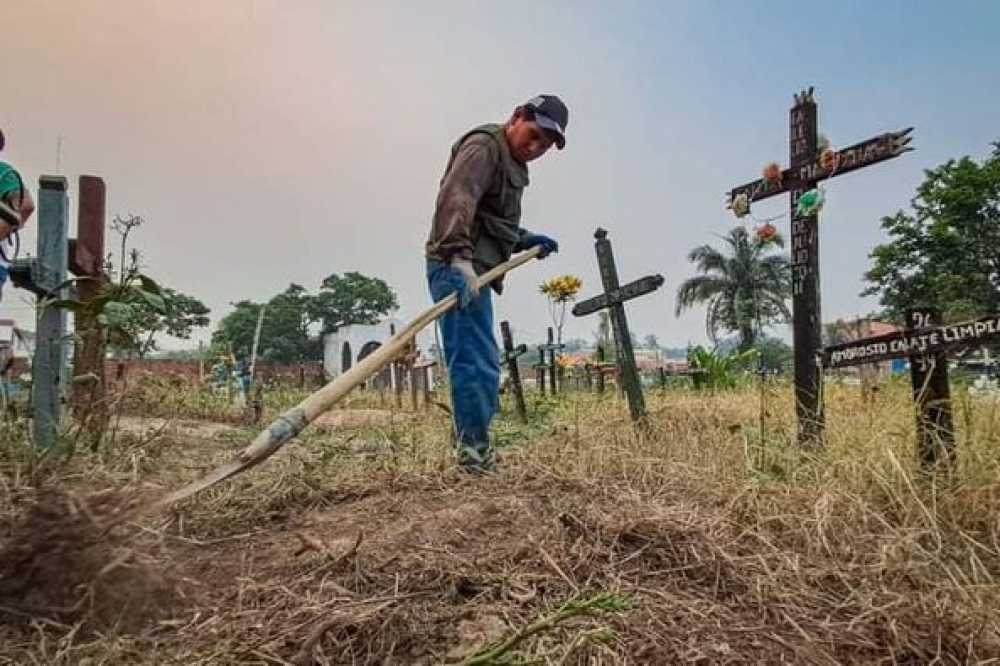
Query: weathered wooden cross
[613, 299]
[926, 343]
[540, 369]
[510, 354]
[423, 370]
[552, 349]
[808, 165]
[86, 260]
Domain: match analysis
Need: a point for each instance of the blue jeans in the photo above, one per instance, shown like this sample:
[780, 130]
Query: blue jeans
[473, 361]
[4, 274]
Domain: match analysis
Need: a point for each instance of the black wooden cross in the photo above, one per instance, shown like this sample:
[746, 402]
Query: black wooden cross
[613, 299]
[926, 343]
[807, 167]
[510, 354]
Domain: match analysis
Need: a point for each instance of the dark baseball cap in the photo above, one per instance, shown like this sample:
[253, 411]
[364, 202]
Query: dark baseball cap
[550, 114]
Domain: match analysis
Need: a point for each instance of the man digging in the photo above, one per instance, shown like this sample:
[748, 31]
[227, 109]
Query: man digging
[476, 226]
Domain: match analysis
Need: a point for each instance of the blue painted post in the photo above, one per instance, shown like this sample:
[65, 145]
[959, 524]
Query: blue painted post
[49, 368]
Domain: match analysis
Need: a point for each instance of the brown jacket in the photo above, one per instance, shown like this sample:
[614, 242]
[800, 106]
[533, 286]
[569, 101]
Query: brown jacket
[478, 211]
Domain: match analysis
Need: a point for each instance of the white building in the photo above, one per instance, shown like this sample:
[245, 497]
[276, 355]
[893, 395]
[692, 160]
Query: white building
[348, 345]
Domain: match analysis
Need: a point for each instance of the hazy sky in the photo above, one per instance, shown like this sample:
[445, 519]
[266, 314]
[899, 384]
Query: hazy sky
[275, 141]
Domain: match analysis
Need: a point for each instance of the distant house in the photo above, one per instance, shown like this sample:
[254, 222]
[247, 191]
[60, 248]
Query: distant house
[349, 345]
[21, 341]
[16, 345]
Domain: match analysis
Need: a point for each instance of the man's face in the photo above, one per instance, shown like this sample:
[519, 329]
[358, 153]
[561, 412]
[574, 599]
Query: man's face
[526, 139]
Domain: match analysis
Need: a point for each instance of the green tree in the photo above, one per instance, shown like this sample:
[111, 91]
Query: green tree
[774, 353]
[651, 341]
[285, 331]
[180, 315]
[351, 299]
[946, 252]
[745, 286]
[604, 339]
[130, 309]
[236, 330]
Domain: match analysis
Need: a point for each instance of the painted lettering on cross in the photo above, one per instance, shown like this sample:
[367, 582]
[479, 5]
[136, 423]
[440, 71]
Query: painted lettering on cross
[808, 165]
[858, 156]
[899, 345]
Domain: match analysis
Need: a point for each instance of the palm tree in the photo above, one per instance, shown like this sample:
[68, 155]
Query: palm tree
[744, 285]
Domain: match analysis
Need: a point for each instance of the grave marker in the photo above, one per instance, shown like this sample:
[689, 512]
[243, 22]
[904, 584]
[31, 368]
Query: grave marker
[510, 354]
[46, 277]
[613, 299]
[809, 166]
[926, 343]
[552, 348]
[86, 260]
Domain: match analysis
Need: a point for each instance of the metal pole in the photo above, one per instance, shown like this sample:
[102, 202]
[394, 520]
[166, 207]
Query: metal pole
[49, 369]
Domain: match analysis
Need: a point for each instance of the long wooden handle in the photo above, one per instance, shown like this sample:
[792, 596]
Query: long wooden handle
[293, 421]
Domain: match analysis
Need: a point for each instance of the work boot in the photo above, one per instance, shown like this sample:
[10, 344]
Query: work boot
[476, 459]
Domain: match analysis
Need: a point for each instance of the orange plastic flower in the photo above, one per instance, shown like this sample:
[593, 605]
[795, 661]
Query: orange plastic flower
[829, 159]
[772, 172]
[766, 232]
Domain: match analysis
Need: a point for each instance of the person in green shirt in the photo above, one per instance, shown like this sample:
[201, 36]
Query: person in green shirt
[16, 208]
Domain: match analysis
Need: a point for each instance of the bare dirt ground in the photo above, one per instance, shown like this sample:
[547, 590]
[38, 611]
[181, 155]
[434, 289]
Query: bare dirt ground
[364, 546]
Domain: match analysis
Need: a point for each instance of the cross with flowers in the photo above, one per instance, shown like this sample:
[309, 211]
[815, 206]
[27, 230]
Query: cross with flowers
[812, 160]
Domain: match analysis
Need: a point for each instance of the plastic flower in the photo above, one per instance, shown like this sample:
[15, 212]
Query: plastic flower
[766, 232]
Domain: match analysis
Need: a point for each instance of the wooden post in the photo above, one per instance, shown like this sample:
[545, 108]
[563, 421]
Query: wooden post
[806, 311]
[809, 166]
[256, 342]
[86, 260]
[553, 379]
[932, 395]
[428, 386]
[540, 369]
[510, 358]
[49, 368]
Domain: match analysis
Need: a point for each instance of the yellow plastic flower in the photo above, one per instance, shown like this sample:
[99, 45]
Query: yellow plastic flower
[562, 288]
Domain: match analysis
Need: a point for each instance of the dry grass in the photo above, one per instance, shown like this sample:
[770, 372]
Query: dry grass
[717, 541]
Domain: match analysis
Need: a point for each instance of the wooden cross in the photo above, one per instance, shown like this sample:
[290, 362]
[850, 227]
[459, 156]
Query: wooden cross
[46, 277]
[807, 167]
[86, 260]
[510, 354]
[613, 299]
[423, 368]
[926, 343]
[540, 369]
[552, 348]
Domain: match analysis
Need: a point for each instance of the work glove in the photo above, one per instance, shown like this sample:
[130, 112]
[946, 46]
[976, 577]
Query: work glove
[467, 283]
[528, 241]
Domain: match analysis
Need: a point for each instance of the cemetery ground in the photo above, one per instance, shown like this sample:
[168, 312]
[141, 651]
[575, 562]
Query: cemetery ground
[702, 540]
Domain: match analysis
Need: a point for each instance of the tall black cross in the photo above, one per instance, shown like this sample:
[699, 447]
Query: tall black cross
[807, 167]
[510, 354]
[613, 299]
